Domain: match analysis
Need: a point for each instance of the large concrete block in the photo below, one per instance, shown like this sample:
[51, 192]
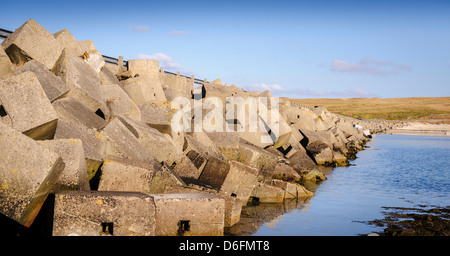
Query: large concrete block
[143, 89]
[28, 173]
[292, 190]
[189, 214]
[119, 174]
[74, 111]
[97, 213]
[53, 86]
[259, 158]
[120, 141]
[266, 193]
[118, 103]
[302, 162]
[6, 67]
[68, 41]
[231, 177]
[82, 79]
[74, 176]
[27, 108]
[144, 68]
[94, 59]
[175, 85]
[227, 143]
[32, 41]
[94, 144]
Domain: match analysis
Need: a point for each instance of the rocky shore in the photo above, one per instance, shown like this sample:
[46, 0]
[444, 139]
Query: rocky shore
[90, 148]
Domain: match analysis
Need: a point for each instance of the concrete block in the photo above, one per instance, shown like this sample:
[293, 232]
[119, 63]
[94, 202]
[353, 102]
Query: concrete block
[83, 81]
[53, 86]
[301, 162]
[231, 177]
[175, 85]
[97, 213]
[227, 143]
[143, 89]
[94, 144]
[266, 193]
[74, 176]
[292, 190]
[68, 41]
[28, 172]
[166, 180]
[32, 41]
[189, 214]
[144, 68]
[94, 59]
[107, 75]
[121, 142]
[259, 158]
[6, 67]
[27, 108]
[118, 103]
[284, 171]
[162, 147]
[119, 174]
[74, 111]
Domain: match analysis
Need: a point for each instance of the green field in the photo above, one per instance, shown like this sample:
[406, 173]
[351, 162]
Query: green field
[423, 108]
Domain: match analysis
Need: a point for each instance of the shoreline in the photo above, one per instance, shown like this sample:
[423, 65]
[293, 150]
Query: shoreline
[418, 128]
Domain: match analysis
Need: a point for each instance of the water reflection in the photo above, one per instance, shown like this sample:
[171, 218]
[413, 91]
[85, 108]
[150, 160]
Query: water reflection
[254, 216]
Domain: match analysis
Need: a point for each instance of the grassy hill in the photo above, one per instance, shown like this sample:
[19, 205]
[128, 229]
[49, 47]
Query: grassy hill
[389, 109]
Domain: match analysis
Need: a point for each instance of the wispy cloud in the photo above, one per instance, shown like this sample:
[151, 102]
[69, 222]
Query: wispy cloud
[164, 60]
[273, 88]
[349, 93]
[138, 28]
[370, 66]
[179, 33]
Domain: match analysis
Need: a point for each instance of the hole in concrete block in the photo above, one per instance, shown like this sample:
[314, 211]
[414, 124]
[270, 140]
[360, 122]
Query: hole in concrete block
[107, 228]
[100, 113]
[2, 111]
[233, 195]
[95, 181]
[183, 226]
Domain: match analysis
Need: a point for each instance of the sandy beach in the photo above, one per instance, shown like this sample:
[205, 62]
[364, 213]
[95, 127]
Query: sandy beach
[418, 128]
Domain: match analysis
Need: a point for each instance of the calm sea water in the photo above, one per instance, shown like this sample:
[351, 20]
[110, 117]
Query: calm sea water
[393, 171]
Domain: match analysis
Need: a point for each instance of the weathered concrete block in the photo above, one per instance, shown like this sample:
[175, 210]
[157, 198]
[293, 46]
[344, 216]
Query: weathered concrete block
[143, 89]
[94, 59]
[266, 193]
[144, 68]
[27, 107]
[6, 67]
[107, 76]
[96, 213]
[227, 143]
[292, 190]
[68, 41]
[284, 171]
[94, 144]
[259, 158]
[74, 176]
[53, 86]
[189, 214]
[231, 177]
[120, 141]
[165, 180]
[301, 162]
[176, 85]
[73, 110]
[32, 41]
[28, 172]
[118, 103]
[83, 81]
[119, 174]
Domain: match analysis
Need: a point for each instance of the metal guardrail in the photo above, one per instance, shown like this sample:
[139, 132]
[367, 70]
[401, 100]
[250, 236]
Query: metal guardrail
[111, 60]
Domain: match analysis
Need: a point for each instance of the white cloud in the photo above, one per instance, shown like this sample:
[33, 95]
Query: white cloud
[179, 33]
[138, 28]
[370, 66]
[164, 60]
[273, 88]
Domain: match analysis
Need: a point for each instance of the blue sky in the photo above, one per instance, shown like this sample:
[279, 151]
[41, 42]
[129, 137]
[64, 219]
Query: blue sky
[298, 49]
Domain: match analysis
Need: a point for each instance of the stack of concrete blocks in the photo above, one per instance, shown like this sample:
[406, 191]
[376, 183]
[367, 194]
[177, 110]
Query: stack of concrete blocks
[100, 138]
